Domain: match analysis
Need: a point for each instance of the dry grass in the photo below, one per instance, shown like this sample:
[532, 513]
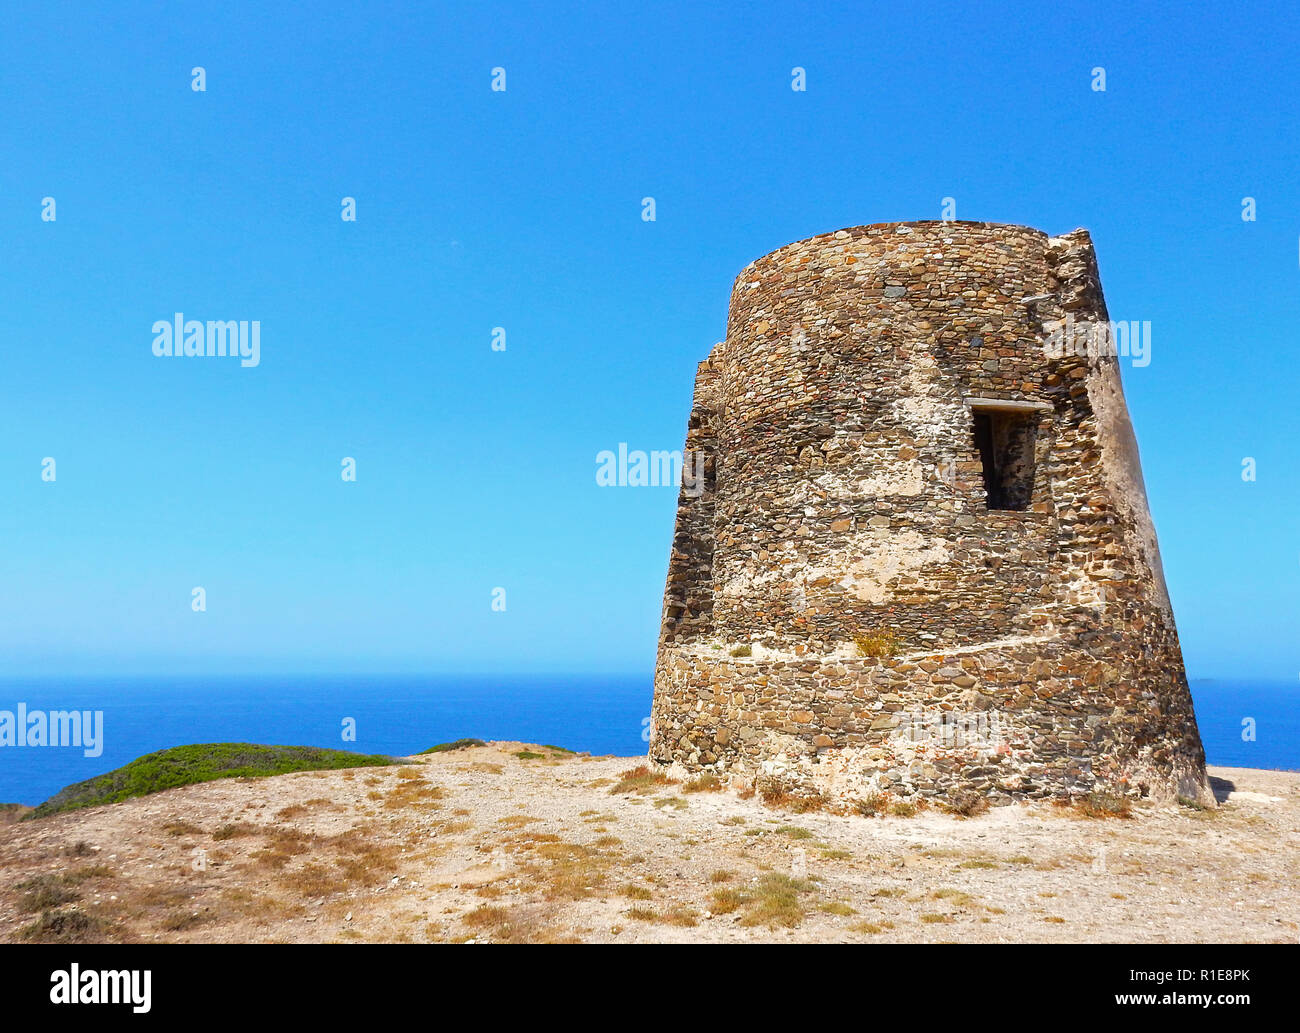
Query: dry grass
[680, 915]
[69, 925]
[677, 914]
[956, 898]
[518, 925]
[641, 779]
[563, 871]
[965, 804]
[775, 794]
[871, 806]
[91, 871]
[776, 902]
[42, 892]
[281, 847]
[1104, 805]
[486, 917]
[283, 867]
[314, 880]
[413, 791]
[363, 862]
[515, 821]
[727, 900]
[179, 921]
[157, 894]
[877, 643]
[181, 828]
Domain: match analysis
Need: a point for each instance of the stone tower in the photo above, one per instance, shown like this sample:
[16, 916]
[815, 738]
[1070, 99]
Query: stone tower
[920, 560]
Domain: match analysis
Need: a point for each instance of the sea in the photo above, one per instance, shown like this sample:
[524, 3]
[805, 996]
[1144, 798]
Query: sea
[1243, 723]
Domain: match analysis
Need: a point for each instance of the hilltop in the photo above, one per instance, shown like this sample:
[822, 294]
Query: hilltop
[201, 762]
[518, 842]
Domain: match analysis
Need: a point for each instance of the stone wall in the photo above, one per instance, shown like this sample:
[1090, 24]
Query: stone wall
[1026, 651]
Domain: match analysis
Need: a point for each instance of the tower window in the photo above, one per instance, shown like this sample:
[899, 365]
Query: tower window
[1005, 441]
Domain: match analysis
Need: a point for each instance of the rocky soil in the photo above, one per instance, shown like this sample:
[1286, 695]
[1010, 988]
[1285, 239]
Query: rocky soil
[520, 843]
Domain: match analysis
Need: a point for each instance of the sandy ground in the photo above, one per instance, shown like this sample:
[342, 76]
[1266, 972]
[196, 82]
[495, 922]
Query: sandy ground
[483, 845]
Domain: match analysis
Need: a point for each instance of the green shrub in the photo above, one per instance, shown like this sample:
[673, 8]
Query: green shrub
[458, 744]
[187, 765]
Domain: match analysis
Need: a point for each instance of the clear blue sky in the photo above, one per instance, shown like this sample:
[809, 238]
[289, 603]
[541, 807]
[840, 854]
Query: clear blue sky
[522, 209]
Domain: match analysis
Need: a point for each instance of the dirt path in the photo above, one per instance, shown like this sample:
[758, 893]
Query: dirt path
[484, 845]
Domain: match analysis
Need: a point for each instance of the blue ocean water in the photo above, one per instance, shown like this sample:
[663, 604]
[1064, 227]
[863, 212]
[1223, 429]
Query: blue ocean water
[396, 715]
[405, 714]
[1229, 711]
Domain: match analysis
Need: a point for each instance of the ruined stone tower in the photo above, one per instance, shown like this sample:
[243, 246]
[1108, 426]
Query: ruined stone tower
[921, 559]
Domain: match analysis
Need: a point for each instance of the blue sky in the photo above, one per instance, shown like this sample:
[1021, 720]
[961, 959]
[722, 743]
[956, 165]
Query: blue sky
[477, 209]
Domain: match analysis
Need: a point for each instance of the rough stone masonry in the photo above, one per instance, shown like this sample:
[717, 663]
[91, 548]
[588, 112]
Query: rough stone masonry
[922, 561]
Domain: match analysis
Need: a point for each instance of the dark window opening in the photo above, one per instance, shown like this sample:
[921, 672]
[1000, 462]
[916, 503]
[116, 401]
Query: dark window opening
[1005, 441]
